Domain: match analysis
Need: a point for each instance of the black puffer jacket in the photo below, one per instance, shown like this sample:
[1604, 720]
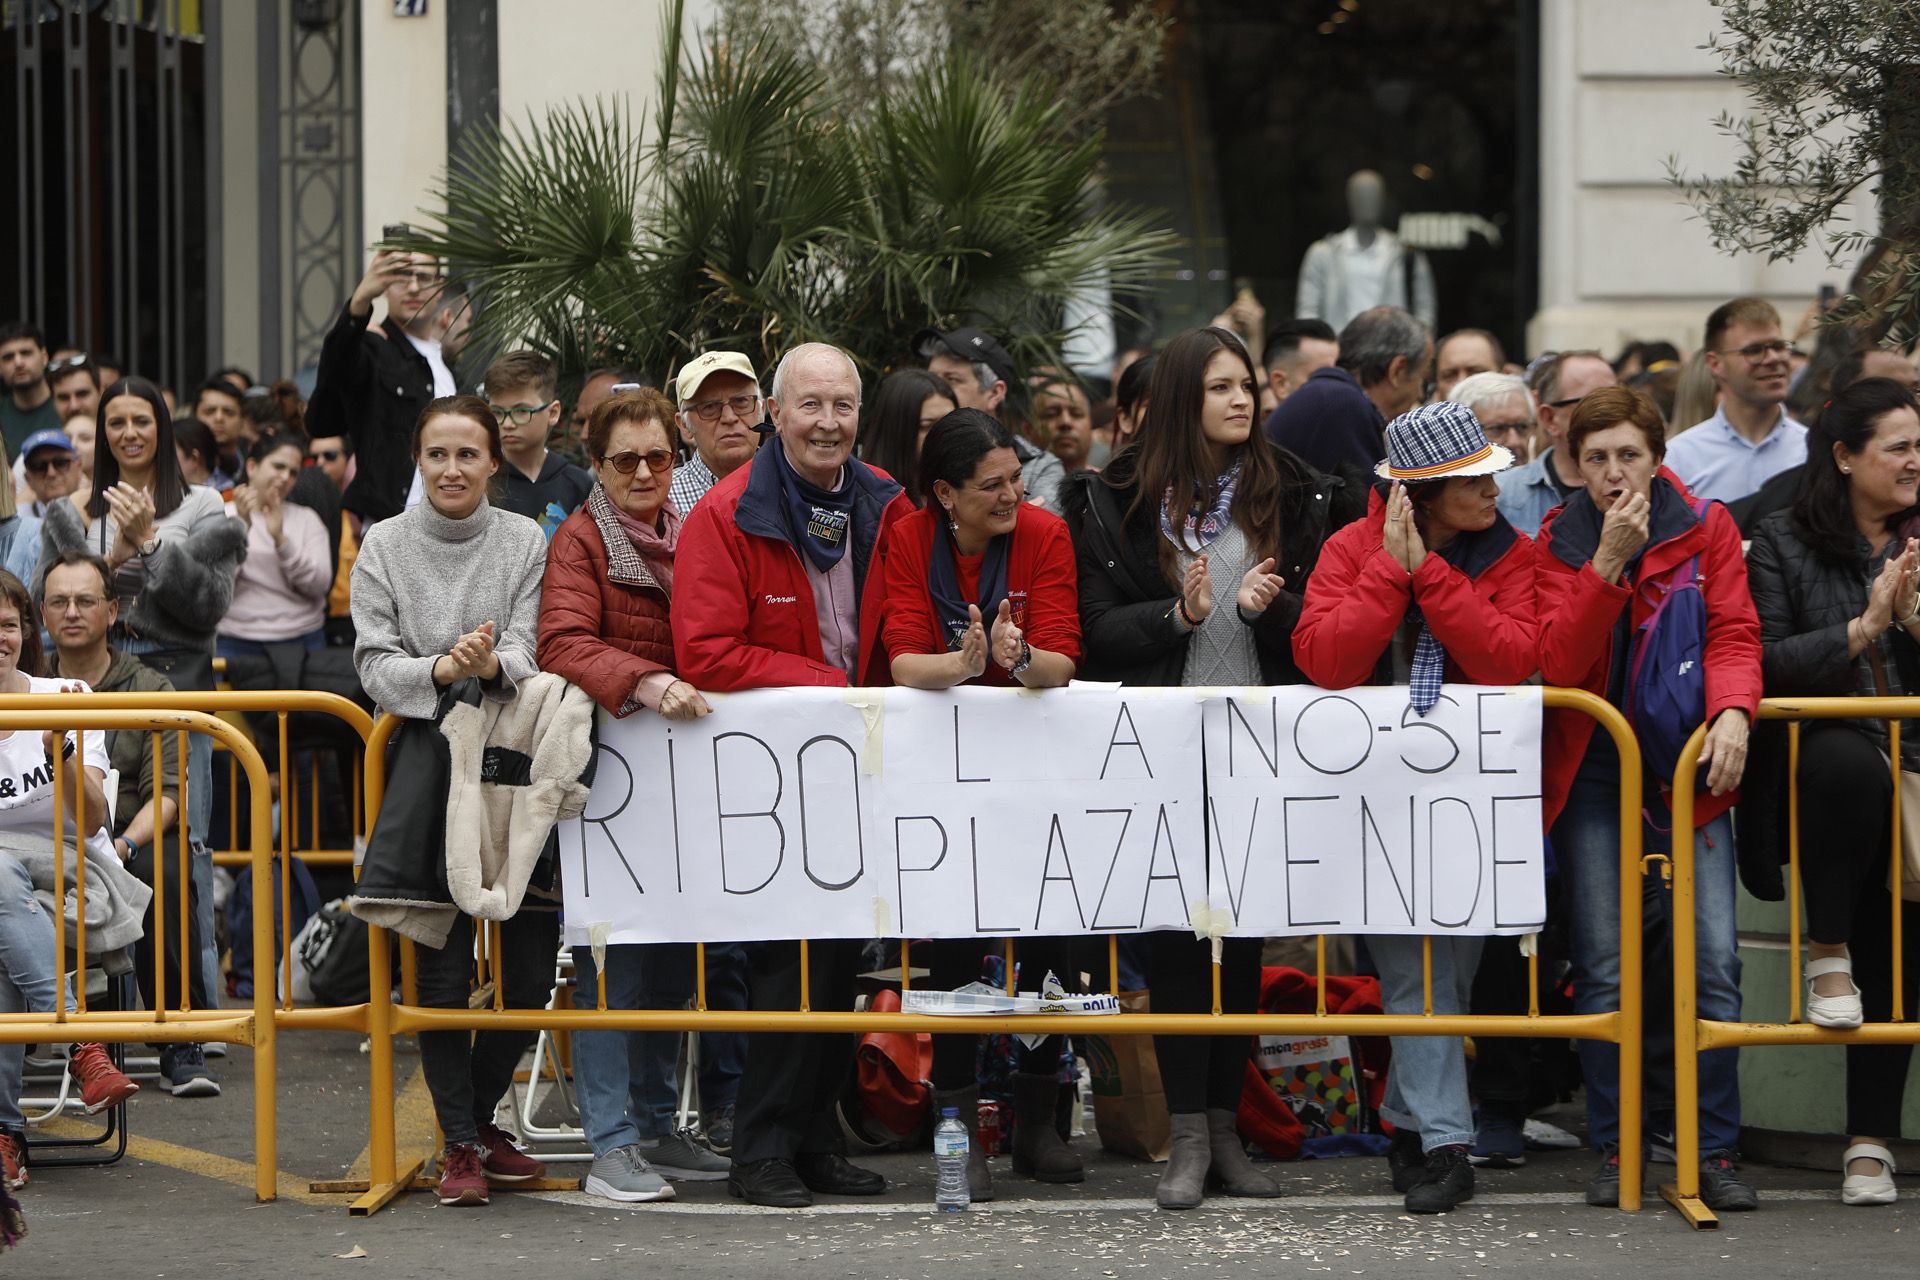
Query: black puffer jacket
[1127, 625]
[1805, 602]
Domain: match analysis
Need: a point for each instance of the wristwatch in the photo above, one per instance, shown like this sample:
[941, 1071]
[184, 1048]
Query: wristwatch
[150, 546]
[1026, 659]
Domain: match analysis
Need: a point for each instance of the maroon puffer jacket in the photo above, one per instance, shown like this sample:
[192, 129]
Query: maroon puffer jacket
[603, 618]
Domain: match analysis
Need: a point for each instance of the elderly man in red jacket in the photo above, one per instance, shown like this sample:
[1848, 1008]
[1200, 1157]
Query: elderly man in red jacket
[772, 588]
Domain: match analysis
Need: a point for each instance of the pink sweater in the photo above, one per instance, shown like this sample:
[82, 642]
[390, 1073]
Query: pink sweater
[281, 592]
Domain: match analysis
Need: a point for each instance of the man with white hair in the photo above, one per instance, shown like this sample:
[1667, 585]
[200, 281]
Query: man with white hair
[718, 396]
[1504, 406]
[769, 589]
[1559, 382]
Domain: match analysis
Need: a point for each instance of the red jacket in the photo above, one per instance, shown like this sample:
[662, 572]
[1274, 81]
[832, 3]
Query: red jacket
[603, 616]
[1479, 601]
[1578, 612]
[743, 613]
[1042, 586]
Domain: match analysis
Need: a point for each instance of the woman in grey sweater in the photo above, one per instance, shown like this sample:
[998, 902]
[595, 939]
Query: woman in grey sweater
[447, 592]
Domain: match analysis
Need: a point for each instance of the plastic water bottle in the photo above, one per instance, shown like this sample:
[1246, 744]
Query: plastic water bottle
[950, 1157]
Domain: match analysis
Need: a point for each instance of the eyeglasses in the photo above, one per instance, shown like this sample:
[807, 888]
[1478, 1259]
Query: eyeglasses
[520, 413]
[59, 462]
[1755, 352]
[657, 460]
[85, 604]
[1506, 428]
[324, 455]
[709, 410]
[422, 279]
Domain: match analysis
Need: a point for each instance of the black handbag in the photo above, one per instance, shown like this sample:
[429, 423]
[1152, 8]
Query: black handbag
[190, 670]
[289, 664]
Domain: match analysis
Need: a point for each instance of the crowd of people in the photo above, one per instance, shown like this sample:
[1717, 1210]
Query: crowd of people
[1241, 506]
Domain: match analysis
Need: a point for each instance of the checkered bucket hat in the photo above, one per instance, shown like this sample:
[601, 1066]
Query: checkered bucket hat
[1435, 441]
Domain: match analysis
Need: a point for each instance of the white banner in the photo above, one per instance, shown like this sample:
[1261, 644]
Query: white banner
[823, 813]
[1348, 812]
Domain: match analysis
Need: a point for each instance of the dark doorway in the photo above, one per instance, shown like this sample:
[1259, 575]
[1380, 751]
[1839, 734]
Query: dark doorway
[1295, 95]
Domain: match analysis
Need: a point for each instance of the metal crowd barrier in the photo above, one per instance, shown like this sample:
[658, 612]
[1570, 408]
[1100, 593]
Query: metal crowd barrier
[233, 705]
[1692, 1034]
[99, 713]
[385, 1019]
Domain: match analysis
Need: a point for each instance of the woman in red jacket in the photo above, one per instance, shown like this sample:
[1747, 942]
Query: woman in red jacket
[1605, 559]
[979, 588]
[604, 626]
[1433, 584]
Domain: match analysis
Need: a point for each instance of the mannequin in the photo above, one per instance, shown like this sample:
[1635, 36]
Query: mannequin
[1363, 266]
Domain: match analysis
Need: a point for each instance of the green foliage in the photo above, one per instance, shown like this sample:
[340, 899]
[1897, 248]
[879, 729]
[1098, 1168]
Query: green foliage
[1833, 107]
[769, 209]
[1091, 54]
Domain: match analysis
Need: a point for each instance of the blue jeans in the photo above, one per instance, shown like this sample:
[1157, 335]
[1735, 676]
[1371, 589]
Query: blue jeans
[225, 646]
[1427, 1081]
[627, 1080]
[29, 975]
[199, 818]
[1586, 840]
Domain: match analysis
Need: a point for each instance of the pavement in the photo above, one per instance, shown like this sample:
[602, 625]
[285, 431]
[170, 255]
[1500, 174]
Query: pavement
[181, 1204]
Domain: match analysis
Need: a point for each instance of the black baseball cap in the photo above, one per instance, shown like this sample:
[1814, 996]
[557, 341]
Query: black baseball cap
[971, 345]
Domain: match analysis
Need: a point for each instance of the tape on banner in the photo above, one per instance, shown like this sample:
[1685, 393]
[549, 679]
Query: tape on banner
[882, 918]
[873, 710]
[1210, 922]
[597, 935]
[1529, 945]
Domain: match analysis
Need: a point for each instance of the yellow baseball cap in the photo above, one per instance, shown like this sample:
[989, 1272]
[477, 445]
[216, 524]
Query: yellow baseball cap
[687, 382]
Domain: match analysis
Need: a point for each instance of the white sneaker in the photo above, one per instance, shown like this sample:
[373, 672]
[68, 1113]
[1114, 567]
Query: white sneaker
[1867, 1188]
[1839, 1013]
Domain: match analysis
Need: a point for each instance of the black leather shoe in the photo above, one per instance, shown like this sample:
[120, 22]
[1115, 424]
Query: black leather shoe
[769, 1182]
[831, 1174]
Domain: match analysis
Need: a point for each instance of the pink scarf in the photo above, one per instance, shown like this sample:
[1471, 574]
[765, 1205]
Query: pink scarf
[655, 546]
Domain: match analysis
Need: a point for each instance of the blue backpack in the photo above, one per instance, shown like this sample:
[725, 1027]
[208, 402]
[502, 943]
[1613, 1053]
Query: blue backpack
[1666, 671]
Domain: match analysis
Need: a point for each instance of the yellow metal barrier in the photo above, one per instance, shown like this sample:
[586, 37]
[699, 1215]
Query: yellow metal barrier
[1693, 1035]
[384, 1020]
[283, 702]
[99, 713]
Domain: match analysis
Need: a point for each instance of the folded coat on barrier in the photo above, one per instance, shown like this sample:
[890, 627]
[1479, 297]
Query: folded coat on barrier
[486, 785]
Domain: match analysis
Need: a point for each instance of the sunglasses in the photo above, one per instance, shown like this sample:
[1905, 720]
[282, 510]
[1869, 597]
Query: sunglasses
[67, 364]
[324, 455]
[658, 461]
[59, 462]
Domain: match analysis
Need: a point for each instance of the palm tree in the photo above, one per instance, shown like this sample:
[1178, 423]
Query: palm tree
[762, 213]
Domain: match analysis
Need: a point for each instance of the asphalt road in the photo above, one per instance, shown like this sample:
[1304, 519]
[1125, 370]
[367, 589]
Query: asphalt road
[181, 1204]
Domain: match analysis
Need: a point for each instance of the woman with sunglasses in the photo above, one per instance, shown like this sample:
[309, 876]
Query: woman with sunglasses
[605, 627]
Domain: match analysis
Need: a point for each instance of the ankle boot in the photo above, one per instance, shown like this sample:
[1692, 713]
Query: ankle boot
[1185, 1178]
[1038, 1152]
[967, 1102]
[1231, 1171]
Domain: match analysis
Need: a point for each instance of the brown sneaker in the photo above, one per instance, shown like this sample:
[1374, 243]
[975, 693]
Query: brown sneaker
[503, 1161]
[12, 1172]
[462, 1180]
[102, 1084]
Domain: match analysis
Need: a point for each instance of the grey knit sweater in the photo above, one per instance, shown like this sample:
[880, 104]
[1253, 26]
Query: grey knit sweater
[422, 581]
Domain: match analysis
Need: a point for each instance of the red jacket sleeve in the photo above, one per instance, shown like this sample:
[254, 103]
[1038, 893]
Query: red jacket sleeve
[711, 579]
[1489, 627]
[572, 610]
[907, 624]
[1355, 600]
[1577, 611]
[1053, 593]
[1733, 653]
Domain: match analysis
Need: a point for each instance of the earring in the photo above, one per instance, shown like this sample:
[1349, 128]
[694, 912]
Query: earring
[1846, 471]
[953, 525]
